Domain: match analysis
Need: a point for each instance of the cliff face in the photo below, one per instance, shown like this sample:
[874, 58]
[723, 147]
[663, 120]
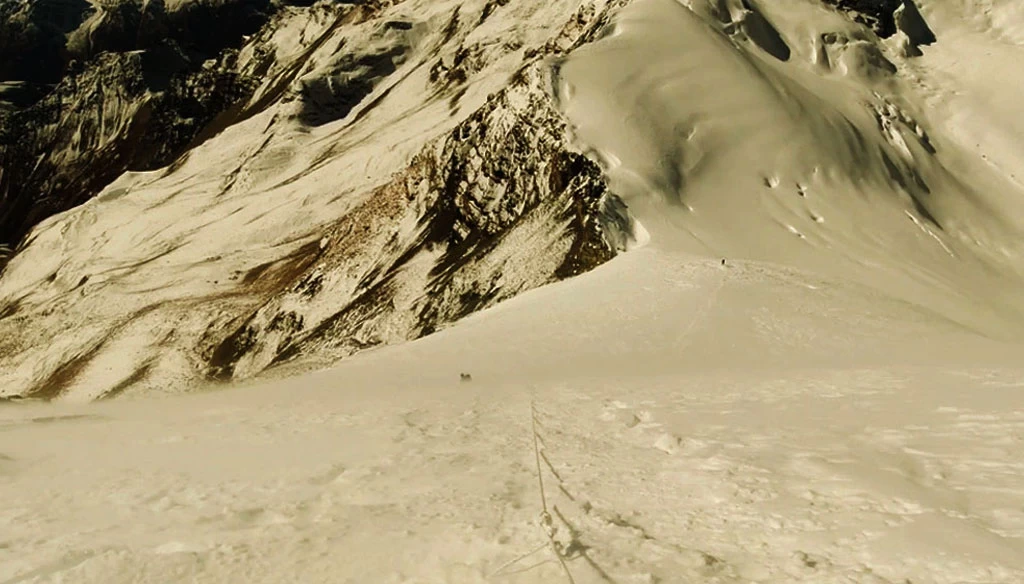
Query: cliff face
[95, 90]
[888, 18]
[875, 14]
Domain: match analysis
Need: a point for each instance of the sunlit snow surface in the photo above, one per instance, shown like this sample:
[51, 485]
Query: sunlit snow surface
[698, 423]
[830, 409]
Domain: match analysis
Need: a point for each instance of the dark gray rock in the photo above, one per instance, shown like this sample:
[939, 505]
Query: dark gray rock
[876, 14]
[69, 76]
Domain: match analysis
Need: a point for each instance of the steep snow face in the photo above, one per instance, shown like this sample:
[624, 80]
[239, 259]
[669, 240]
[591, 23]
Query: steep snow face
[740, 129]
[398, 168]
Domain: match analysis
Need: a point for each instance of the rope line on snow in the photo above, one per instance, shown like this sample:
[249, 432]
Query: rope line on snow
[536, 452]
[547, 523]
[518, 559]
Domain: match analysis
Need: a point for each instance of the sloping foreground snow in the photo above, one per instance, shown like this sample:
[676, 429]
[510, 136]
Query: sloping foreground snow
[697, 423]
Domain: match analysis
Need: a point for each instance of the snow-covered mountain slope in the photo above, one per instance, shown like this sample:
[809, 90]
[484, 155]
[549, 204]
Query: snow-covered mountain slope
[410, 168]
[398, 166]
[815, 150]
[401, 165]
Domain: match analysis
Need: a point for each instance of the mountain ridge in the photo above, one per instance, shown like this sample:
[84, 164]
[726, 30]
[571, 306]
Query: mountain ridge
[361, 174]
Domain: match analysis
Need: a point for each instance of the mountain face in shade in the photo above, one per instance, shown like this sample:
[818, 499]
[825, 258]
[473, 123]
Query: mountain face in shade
[877, 14]
[91, 91]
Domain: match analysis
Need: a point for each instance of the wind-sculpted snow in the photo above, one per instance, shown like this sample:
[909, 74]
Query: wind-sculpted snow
[820, 157]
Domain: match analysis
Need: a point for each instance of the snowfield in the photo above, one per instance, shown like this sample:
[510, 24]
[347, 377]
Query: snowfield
[807, 367]
[696, 423]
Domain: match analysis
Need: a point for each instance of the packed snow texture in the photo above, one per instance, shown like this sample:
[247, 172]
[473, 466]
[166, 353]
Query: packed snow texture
[697, 423]
[810, 373]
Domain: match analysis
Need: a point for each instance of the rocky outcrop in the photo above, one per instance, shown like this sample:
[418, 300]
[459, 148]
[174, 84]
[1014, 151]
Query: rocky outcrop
[875, 14]
[33, 36]
[94, 90]
[912, 29]
[504, 203]
[888, 18]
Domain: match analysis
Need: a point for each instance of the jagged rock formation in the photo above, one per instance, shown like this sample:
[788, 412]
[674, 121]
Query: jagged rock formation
[503, 187]
[888, 18]
[912, 29]
[876, 14]
[33, 37]
[95, 90]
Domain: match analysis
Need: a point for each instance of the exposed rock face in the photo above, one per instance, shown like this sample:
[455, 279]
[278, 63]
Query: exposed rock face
[504, 188]
[33, 37]
[857, 52]
[912, 28]
[502, 204]
[93, 91]
[876, 14]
